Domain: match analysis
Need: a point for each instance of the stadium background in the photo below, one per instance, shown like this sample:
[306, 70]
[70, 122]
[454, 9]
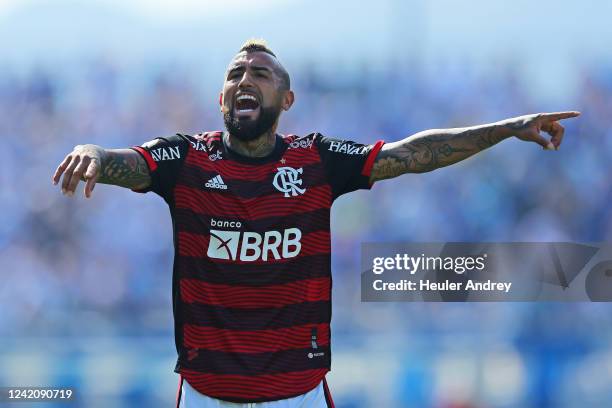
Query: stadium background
[85, 285]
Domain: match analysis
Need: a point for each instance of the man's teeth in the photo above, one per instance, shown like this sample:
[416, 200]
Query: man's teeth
[243, 97]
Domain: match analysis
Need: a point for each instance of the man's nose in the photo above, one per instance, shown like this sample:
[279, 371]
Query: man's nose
[245, 81]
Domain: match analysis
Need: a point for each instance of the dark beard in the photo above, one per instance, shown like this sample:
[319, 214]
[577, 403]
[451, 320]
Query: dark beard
[246, 130]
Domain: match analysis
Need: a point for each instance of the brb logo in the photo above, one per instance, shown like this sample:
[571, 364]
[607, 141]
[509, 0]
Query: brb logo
[252, 246]
[287, 180]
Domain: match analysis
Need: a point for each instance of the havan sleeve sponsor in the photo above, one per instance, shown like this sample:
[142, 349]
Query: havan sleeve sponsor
[165, 157]
[347, 164]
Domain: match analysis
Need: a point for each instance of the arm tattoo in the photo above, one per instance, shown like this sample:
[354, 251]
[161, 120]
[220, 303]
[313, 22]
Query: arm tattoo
[125, 168]
[432, 149]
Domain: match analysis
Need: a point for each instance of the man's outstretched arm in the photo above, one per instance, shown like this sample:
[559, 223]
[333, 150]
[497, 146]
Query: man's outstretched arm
[94, 164]
[432, 149]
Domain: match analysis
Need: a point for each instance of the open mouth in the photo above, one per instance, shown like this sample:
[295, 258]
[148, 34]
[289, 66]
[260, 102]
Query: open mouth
[246, 103]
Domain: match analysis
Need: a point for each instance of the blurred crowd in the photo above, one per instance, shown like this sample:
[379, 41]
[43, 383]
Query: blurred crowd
[101, 268]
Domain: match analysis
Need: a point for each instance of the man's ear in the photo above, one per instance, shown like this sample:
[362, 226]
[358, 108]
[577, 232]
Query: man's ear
[288, 100]
[221, 99]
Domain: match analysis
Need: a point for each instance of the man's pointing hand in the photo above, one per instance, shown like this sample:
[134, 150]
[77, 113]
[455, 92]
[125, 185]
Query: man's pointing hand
[529, 128]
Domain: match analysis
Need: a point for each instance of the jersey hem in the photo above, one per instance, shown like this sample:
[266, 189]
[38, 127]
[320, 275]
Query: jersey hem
[255, 400]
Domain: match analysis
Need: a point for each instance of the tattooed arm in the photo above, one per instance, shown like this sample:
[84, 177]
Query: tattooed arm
[92, 164]
[432, 149]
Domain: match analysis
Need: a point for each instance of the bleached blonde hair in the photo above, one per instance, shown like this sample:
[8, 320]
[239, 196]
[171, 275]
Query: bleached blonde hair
[260, 45]
[256, 44]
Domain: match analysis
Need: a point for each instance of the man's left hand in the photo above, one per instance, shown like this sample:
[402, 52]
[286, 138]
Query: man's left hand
[529, 128]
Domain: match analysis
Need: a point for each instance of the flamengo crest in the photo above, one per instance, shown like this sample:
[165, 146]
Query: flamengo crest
[287, 180]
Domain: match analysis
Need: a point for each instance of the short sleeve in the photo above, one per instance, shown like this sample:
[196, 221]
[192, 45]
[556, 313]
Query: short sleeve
[165, 157]
[347, 164]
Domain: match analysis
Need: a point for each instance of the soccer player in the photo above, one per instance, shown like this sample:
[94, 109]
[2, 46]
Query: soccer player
[251, 220]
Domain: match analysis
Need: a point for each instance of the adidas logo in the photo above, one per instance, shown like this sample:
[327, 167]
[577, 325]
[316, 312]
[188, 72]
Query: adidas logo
[216, 182]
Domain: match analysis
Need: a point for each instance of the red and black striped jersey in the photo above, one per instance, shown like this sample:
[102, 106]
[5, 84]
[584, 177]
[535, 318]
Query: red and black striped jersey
[252, 267]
